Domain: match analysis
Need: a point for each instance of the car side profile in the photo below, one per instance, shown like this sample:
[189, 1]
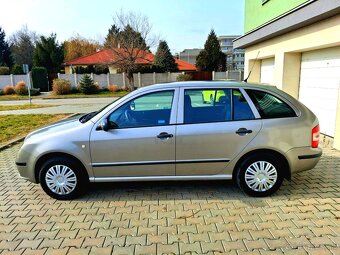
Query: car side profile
[254, 134]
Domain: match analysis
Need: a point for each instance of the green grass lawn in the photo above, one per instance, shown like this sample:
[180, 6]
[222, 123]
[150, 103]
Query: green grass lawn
[14, 126]
[74, 95]
[16, 97]
[22, 107]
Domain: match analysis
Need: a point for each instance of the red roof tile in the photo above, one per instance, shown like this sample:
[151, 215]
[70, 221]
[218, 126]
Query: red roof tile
[107, 56]
[185, 66]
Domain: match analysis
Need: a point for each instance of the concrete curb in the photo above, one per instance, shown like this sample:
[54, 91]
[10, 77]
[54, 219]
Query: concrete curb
[17, 140]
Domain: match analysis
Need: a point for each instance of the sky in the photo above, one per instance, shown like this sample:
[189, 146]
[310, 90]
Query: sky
[184, 24]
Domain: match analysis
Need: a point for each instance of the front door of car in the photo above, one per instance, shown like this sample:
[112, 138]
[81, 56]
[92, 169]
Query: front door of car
[140, 140]
[213, 131]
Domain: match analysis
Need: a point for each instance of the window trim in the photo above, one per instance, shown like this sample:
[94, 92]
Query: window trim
[180, 106]
[283, 99]
[173, 111]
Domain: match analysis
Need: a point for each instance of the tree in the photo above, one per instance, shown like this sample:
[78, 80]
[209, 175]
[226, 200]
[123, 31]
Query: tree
[211, 58]
[5, 53]
[49, 54]
[131, 44]
[22, 46]
[163, 58]
[78, 47]
[111, 38]
[87, 85]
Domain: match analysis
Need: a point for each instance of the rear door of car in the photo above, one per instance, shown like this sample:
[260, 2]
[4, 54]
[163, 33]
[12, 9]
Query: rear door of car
[211, 133]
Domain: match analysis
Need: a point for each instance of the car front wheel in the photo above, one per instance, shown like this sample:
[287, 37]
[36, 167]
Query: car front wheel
[260, 175]
[62, 178]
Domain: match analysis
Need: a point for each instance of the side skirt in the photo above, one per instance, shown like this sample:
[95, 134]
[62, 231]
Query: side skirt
[161, 178]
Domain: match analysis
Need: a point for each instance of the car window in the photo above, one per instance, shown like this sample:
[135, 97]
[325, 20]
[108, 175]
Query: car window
[242, 110]
[153, 109]
[207, 105]
[270, 106]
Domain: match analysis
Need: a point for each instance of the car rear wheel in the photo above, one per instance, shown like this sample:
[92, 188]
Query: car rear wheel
[260, 175]
[62, 178]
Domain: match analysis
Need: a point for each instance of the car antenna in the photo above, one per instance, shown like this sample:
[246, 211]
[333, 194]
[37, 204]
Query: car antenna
[246, 79]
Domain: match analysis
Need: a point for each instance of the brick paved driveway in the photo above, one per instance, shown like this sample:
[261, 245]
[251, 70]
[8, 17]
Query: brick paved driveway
[190, 217]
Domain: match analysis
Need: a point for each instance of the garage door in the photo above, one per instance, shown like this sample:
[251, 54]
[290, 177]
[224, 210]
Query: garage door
[267, 70]
[319, 85]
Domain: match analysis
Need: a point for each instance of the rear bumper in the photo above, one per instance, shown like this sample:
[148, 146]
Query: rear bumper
[304, 158]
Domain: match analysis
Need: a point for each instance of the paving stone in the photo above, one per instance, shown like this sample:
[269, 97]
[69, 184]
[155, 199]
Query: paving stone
[168, 248]
[215, 247]
[179, 218]
[100, 251]
[52, 251]
[77, 251]
[156, 239]
[145, 249]
[190, 248]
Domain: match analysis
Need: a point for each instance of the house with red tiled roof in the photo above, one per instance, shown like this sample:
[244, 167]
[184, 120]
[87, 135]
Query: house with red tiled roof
[107, 57]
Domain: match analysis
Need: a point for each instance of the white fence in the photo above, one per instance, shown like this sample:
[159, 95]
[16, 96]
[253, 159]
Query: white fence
[11, 80]
[120, 79]
[140, 79]
[229, 75]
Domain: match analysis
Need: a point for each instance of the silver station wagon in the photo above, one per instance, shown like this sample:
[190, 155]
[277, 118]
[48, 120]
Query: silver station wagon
[256, 135]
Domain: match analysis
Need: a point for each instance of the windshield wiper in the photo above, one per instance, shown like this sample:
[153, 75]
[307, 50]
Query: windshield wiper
[86, 117]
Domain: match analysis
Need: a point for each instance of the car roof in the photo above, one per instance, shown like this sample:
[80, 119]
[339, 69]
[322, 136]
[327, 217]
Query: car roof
[201, 84]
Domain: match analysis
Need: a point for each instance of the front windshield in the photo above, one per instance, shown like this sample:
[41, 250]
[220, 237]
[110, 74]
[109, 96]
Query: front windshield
[86, 117]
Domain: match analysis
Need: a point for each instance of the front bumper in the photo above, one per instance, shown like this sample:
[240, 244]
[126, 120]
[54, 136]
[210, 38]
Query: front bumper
[24, 166]
[304, 158]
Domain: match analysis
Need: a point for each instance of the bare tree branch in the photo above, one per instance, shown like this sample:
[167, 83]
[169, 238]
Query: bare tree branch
[131, 42]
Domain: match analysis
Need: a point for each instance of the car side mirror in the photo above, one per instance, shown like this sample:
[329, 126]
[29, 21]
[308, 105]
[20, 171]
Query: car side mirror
[103, 125]
[112, 125]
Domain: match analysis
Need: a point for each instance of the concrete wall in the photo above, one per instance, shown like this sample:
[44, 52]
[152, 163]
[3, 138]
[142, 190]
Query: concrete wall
[12, 80]
[287, 50]
[229, 75]
[120, 79]
[257, 13]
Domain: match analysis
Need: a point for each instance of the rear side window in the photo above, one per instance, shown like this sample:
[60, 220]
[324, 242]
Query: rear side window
[270, 106]
[241, 108]
[207, 105]
[215, 105]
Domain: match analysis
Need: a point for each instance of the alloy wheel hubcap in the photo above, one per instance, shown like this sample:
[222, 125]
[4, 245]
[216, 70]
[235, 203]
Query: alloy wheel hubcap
[61, 179]
[261, 176]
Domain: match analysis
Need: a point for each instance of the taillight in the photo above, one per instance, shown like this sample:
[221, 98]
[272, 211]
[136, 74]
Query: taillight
[315, 136]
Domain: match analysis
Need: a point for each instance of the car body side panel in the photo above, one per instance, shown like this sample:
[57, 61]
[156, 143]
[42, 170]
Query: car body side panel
[74, 142]
[133, 152]
[283, 136]
[209, 142]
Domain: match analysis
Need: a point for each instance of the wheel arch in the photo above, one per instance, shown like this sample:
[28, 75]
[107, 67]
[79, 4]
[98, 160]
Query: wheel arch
[278, 155]
[48, 156]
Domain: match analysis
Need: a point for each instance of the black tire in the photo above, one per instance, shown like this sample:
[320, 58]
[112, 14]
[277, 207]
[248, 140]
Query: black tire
[256, 158]
[77, 171]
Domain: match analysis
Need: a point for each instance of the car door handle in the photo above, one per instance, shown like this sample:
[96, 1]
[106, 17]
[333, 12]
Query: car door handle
[164, 135]
[243, 131]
